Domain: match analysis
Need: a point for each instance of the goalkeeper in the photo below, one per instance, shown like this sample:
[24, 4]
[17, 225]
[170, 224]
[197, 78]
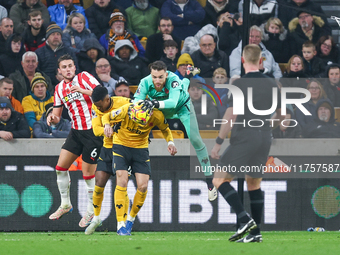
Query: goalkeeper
[130, 148]
[169, 94]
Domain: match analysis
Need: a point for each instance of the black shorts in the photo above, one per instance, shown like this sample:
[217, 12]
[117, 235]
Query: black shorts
[84, 142]
[105, 161]
[137, 158]
[247, 153]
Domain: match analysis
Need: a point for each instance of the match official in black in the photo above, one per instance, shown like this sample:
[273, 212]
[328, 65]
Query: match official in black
[250, 143]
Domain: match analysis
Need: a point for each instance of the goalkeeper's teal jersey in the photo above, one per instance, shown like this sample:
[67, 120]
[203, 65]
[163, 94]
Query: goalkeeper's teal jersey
[174, 93]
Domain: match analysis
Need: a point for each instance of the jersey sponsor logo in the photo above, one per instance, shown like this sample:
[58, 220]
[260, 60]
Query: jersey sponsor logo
[72, 97]
[174, 84]
[133, 130]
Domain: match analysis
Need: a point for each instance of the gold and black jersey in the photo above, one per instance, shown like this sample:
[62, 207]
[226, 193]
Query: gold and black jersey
[97, 125]
[135, 135]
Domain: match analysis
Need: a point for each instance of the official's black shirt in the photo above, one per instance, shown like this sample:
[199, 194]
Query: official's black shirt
[262, 99]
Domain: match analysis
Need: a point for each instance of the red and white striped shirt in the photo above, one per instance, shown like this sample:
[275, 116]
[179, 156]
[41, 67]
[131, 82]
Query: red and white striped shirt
[77, 104]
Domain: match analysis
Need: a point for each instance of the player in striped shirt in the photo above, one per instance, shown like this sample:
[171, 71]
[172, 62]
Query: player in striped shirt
[74, 93]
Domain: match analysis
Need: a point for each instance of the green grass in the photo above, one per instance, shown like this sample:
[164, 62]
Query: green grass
[210, 243]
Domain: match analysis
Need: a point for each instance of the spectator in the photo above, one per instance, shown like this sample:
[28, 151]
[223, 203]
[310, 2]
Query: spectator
[269, 67]
[314, 66]
[12, 123]
[98, 16]
[104, 75]
[75, 32]
[34, 36]
[220, 77]
[183, 62]
[122, 89]
[142, 18]
[289, 12]
[6, 89]
[260, 11]
[8, 4]
[154, 46]
[327, 50]
[42, 130]
[49, 54]
[88, 56]
[3, 12]
[6, 28]
[208, 58]
[205, 121]
[192, 43]
[10, 61]
[215, 8]
[127, 63]
[22, 77]
[324, 125]
[118, 32]
[170, 59]
[229, 32]
[332, 84]
[60, 12]
[34, 104]
[19, 13]
[294, 76]
[284, 130]
[276, 40]
[77, 2]
[305, 28]
[317, 93]
[186, 15]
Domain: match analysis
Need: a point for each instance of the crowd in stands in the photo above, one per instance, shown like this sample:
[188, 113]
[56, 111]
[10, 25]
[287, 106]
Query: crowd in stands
[116, 40]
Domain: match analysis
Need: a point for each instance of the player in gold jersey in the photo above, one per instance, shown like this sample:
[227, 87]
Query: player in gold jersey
[130, 148]
[103, 103]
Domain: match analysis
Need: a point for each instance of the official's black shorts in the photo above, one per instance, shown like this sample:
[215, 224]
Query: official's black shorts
[84, 142]
[247, 153]
[137, 158]
[105, 161]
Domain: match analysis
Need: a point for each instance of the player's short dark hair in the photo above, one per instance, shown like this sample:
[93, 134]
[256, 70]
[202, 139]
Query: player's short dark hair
[170, 43]
[158, 65]
[99, 93]
[65, 57]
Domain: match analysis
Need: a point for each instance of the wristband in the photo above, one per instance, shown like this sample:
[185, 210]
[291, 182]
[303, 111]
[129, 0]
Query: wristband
[171, 143]
[219, 140]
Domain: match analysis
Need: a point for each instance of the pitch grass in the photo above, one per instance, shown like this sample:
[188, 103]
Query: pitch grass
[77, 243]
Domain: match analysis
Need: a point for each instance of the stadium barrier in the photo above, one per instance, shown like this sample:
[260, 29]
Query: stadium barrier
[175, 201]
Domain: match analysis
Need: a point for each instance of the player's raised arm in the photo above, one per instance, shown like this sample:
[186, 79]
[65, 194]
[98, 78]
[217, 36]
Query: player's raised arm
[141, 91]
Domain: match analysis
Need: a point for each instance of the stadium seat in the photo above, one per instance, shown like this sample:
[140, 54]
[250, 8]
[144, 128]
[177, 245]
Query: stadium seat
[283, 67]
[133, 88]
[209, 134]
[177, 134]
[337, 114]
[143, 42]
